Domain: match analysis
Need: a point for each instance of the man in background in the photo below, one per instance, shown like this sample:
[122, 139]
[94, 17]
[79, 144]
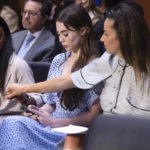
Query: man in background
[36, 43]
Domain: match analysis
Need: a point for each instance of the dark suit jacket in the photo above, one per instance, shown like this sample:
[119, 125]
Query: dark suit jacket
[42, 50]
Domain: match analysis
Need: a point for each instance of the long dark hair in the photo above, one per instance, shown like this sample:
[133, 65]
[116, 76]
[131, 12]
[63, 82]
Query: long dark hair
[5, 54]
[76, 17]
[3, 3]
[134, 36]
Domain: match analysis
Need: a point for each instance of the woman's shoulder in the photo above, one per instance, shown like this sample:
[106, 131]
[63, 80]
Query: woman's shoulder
[18, 63]
[17, 59]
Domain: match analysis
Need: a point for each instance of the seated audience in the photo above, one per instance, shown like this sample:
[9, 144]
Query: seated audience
[124, 68]
[107, 5]
[72, 106]
[57, 6]
[13, 70]
[36, 43]
[96, 16]
[92, 9]
[9, 15]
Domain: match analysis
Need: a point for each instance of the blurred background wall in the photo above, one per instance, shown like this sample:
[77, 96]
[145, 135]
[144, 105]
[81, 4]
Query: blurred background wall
[146, 6]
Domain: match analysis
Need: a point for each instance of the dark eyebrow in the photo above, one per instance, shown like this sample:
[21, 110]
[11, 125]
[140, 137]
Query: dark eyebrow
[63, 31]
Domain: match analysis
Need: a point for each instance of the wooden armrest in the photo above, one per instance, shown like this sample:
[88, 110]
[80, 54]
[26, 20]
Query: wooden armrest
[74, 142]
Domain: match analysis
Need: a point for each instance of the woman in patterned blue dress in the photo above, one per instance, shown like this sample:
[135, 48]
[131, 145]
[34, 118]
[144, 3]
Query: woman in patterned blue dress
[74, 106]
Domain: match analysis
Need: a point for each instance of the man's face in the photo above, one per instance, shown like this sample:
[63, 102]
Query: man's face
[31, 16]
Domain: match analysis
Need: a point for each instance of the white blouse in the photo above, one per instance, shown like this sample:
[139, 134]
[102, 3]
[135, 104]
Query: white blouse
[121, 94]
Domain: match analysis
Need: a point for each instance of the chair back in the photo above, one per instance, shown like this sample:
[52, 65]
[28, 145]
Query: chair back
[118, 132]
[40, 70]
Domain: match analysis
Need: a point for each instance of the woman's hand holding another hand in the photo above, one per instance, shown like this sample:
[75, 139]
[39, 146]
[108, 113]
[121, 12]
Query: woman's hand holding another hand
[14, 90]
[44, 117]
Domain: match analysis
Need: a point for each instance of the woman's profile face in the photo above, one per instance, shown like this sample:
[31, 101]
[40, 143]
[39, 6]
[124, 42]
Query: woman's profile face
[2, 37]
[110, 39]
[70, 40]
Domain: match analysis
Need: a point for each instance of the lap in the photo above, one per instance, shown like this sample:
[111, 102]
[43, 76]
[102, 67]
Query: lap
[2, 117]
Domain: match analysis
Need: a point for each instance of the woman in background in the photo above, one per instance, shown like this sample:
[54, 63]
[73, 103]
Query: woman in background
[9, 15]
[74, 106]
[92, 9]
[96, 17]
[12, 70]
[124, 68]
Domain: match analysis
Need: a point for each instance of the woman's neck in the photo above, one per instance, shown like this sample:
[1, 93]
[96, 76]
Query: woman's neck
[75, 55]
[120, 55]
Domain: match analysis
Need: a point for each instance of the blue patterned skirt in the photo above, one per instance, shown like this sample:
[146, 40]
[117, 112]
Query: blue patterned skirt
[23, 133]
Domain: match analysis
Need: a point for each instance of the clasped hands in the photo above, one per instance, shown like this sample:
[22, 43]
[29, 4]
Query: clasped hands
[41, 116]
[15, 91]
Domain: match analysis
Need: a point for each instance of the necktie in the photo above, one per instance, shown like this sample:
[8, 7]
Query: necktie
[25, 46]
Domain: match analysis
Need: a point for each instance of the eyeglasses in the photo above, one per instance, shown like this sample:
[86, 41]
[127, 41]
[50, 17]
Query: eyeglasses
[31, 13]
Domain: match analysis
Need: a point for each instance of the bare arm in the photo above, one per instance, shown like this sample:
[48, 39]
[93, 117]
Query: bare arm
[53, 85]
[83, 119]
[49, 108]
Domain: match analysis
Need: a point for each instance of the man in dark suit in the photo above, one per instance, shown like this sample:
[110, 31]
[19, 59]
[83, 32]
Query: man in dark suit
[34, 19]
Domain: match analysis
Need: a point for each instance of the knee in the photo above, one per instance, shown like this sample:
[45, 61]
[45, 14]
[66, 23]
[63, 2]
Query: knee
[12, 120]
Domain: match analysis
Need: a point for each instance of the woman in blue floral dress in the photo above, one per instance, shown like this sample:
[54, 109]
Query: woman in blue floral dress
[72, 106]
